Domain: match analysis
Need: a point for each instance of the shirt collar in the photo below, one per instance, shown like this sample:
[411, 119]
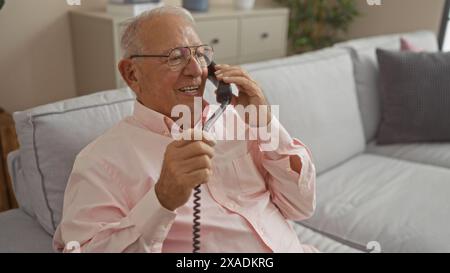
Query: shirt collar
[154, 121]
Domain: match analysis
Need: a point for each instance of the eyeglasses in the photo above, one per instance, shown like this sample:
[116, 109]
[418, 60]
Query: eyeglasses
[180, 56]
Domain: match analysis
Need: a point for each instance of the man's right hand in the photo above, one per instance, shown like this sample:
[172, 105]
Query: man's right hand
[187, 163]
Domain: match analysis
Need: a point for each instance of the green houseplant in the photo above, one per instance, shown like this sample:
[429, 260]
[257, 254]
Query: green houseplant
[315, 24]
[2, 2]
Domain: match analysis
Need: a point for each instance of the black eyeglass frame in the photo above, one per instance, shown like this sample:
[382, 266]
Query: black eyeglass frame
[171, 50]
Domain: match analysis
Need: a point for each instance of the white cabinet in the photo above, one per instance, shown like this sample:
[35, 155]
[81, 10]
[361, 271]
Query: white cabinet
[261, 38]
[236, 36]
[222, 36]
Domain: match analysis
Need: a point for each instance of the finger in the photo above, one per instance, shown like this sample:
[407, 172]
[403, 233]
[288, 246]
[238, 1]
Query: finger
[198, 177]
[234, 100]
[195, 163]
[233, 73]
[225, 69]
[220, 66]
[248, 86]
[192, 135]
[230, 68]
[209, 139]
[194, 149]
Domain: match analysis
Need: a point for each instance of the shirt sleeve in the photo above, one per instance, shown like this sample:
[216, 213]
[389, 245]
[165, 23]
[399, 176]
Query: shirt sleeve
[97, 215]
[293, 193]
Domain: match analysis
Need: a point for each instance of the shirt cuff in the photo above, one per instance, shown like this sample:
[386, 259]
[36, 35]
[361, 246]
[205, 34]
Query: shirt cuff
[152, 220]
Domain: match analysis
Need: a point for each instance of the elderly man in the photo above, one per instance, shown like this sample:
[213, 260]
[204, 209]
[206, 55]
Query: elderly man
[131, 190]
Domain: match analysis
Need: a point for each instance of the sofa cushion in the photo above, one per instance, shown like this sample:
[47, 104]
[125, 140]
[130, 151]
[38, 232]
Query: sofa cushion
[20, 233]
[51, 136]
[322, 242]
[366, 70]
[317, 102]
[437, 154]
[402, 205]
[415, 97]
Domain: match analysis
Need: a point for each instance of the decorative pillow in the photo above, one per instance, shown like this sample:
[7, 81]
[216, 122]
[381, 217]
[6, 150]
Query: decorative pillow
[366, 71]
[415, 97]
[50, 137]
[406, 45]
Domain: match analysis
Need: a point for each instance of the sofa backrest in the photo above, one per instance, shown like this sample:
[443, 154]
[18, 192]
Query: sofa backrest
[366, 70]
[50, 137]
[317, 99]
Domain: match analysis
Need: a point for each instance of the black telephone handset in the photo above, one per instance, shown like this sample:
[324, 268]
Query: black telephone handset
[224, 91]
[224, 94]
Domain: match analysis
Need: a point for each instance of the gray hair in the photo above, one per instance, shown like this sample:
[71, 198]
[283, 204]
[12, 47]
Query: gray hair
[130, 41]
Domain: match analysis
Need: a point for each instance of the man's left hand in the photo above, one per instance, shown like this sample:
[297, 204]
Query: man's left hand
[249, 91]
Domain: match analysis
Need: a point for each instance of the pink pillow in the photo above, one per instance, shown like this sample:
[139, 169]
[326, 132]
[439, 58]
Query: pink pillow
[405, 45]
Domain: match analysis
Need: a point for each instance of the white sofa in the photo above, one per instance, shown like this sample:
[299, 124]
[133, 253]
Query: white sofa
[396, 195]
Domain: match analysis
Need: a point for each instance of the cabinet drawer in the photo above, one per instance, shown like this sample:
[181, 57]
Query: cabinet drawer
[263, 34]
[222, 35]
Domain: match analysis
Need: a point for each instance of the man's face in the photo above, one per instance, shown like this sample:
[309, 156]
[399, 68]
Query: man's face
[157, 85]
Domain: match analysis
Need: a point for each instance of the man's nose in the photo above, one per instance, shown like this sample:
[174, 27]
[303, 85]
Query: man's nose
[193, 67]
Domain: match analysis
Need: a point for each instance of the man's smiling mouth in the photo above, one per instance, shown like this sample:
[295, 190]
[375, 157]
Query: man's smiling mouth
[192, 90]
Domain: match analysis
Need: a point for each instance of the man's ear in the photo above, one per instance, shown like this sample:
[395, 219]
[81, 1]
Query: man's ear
[128, 70]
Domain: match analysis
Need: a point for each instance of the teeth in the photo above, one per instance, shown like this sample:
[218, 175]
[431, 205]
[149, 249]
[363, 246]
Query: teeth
[189, 89]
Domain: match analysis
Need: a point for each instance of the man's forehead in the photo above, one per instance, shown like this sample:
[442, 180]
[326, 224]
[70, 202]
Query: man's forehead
[167, 32]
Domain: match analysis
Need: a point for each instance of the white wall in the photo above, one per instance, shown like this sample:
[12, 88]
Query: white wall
[36, 64]
[395, 16]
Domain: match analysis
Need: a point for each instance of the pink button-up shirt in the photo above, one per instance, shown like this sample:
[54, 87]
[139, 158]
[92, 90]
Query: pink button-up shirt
[110, 204]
